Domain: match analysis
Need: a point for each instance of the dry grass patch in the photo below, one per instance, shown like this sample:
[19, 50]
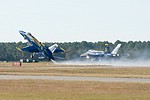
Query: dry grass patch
[75, 70]
[72, 90]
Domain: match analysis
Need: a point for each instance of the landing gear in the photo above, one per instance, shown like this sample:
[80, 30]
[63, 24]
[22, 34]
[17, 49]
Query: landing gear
[32, 55]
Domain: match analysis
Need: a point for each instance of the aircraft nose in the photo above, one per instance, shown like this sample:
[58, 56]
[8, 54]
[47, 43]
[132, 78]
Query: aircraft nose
[22, 32]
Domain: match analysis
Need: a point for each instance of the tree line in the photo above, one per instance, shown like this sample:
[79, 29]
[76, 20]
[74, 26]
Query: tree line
[73, 50]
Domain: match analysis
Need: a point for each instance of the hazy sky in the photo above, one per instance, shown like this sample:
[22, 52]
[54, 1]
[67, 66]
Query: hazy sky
[75, 20]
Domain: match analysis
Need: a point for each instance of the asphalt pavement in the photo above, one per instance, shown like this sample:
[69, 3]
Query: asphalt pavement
[74, 78]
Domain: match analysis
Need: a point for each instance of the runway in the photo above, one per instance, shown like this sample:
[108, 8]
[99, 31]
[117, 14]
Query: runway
[74, 78]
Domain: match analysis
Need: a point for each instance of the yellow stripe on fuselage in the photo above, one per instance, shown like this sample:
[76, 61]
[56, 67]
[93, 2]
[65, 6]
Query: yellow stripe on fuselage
[39, 43]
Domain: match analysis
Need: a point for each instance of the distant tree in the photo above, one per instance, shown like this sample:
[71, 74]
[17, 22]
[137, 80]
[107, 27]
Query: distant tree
[73, 50]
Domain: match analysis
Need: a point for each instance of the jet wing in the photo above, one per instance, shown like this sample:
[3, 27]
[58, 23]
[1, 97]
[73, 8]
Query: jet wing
[84, 54]
[30, 49]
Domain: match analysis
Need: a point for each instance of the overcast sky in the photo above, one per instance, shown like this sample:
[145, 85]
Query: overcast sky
[75, 20]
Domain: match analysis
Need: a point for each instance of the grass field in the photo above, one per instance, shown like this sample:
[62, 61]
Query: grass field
[72, 90]
[74, 70]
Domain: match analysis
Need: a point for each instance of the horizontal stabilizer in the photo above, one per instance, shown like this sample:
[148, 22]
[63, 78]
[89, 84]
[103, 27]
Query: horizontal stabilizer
[58, 50]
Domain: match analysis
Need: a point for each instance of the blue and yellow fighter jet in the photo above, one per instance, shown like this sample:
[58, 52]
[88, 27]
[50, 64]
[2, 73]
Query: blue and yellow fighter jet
[39, 48]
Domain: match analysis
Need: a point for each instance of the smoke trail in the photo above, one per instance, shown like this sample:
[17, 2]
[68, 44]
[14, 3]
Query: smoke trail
[135, 59]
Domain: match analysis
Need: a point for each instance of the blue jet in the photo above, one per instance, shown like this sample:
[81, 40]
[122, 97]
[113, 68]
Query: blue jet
[36, 47]
[98, 55]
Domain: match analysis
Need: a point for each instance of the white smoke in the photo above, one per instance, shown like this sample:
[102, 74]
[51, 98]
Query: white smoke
[123, 62]
[140, 59]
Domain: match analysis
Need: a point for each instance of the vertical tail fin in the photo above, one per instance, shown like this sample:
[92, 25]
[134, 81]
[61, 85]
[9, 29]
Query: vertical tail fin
[116, 49]
[53, 48]
[107, 49]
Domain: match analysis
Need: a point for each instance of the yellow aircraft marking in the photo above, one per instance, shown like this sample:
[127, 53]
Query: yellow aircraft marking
[18, 49]
[106, 44]
[62, 49]
[39, 43]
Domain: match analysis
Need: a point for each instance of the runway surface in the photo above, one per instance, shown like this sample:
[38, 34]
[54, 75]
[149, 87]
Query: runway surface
[74, 78]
